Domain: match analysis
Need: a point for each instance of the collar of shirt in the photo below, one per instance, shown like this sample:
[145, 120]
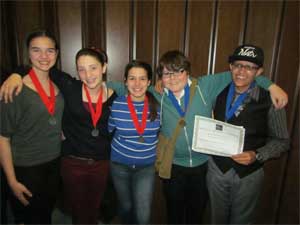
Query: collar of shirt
[182, 92]
[254, 93]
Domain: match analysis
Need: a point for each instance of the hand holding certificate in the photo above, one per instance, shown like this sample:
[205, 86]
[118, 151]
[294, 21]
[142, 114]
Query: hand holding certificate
[217, 138]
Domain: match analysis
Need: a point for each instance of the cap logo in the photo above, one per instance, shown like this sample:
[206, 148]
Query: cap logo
[247, 51]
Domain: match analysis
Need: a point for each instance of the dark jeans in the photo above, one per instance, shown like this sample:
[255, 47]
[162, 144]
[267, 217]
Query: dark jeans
[84, 183]
[43, 181]
[134, 187]
[186, 194]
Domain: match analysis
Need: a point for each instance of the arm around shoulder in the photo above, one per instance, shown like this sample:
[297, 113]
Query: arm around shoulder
[263, 82]
[118, 87]
[60, 78]
[213, 84]
[279, 96]
[11, 86]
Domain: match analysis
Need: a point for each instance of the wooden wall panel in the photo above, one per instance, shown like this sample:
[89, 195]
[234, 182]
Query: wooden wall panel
[145, 31]
[274, 170]
[69, 15]
[230, 29]
[262, 29]
[9, 43]
[288, 212]
[171, 26]
[49, 17]
[18, 20]
[26, 20]
[288, 57]
[93, 24]
[288, 71]
[198, 35]
[118, 36]
[287, 64]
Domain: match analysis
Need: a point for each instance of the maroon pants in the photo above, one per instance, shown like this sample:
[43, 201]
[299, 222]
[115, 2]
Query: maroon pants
[84, 183]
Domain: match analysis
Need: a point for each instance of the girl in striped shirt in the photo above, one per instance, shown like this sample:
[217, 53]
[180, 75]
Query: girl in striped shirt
[135, 122]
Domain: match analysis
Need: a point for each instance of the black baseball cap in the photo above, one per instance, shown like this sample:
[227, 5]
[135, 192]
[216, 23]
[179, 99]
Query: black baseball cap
[248, 53]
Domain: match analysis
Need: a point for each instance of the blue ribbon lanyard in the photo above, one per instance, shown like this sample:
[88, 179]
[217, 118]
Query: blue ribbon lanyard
[186, 100]
[231, 108]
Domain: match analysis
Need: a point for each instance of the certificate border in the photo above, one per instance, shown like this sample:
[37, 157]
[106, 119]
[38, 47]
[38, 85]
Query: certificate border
[195, 134]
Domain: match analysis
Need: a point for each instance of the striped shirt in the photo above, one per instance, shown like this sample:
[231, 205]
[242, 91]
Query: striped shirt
[125, 146]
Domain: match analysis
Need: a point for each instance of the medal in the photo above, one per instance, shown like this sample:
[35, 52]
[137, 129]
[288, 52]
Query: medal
[140, 127]
[141, 139]
[52, 121]
[95, 114]
[182, 123]
[95, 132]
[48, 102]
[175, 103]
[232, 108]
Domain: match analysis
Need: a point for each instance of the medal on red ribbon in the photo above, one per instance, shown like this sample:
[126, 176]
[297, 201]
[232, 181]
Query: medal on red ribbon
[49, 102]
[140, 127]
[95, 114]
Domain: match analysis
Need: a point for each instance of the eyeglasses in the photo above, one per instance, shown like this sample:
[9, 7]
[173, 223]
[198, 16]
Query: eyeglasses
[248, 68]
[175, 74]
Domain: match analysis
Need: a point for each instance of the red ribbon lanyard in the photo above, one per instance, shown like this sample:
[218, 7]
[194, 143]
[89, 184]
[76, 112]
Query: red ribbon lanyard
[139, 127]
[95, 115]
[49, 103]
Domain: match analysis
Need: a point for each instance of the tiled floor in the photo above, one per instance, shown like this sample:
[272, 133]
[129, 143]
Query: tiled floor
[59, 218]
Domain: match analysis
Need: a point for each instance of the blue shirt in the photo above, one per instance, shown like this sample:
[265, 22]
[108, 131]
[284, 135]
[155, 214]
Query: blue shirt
[125, 146]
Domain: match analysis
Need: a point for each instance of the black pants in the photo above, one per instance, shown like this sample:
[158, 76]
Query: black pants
[43, 182]
[186, 194]
[3, 197]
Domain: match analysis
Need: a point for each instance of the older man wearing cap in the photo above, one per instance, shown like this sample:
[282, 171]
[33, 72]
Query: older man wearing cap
[234, 183]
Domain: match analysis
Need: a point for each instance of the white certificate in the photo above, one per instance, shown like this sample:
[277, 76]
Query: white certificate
[217, 138]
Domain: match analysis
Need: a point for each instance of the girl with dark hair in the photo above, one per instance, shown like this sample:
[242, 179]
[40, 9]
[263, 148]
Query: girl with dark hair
[135, 122]
[30, 136]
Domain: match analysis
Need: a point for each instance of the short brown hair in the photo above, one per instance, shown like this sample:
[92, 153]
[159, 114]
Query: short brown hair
[173, 61]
